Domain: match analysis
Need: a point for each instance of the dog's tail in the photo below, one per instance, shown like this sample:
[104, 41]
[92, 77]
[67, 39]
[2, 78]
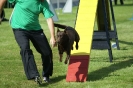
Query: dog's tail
[60, 26]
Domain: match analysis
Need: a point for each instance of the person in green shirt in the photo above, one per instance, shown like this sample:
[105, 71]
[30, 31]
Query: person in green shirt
[24, 21]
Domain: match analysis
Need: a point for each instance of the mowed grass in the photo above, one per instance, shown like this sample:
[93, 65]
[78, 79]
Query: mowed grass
[101, 73]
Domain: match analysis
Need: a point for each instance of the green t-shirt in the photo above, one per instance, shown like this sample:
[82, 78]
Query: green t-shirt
[26, 13]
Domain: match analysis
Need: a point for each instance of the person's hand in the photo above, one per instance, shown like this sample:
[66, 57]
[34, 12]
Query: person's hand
[53, 42]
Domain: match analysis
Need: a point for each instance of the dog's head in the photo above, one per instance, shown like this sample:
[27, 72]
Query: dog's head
[60, 36]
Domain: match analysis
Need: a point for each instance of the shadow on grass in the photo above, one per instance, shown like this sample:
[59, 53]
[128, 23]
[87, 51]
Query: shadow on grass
[104, 72]
[124, 5]
[53, 80]
[124, 42]
[98, 74]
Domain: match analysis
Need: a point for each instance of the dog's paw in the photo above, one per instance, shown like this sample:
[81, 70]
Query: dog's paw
[77, 47]
[65, 62]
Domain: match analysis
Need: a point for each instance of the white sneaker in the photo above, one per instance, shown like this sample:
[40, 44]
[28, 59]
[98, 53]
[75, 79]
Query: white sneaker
[38, 80]
[46, 79]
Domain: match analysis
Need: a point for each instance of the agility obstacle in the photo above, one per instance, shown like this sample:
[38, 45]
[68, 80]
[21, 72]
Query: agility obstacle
[79, 60]
[90, 39]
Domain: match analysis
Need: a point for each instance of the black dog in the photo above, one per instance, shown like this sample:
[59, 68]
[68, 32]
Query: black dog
[65, 40]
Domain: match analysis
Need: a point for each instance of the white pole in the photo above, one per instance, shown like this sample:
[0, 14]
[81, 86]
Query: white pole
[58, 6]
[55, 17]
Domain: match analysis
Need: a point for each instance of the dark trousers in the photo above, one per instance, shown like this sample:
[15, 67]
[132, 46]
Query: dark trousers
[41, 44]
[121, 2]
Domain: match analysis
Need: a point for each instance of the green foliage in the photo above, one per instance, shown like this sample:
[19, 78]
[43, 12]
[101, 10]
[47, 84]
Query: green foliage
[101, 73]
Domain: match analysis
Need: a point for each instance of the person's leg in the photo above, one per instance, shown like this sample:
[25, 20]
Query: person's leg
[2, 3]
[115, 1]
[41, 44]
[29, 64]
[121, 1]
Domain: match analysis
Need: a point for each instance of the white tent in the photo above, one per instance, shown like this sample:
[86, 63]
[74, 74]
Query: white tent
[68, 7]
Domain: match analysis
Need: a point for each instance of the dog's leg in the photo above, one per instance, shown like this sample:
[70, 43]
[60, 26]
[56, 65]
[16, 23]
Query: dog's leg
[61, 57]
[77, 38]
[60, 52]
[68, 55]
[72, 48]
[67, 58]
[76, 46]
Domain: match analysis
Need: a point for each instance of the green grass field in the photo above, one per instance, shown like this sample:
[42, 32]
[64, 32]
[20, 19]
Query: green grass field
[101, 73]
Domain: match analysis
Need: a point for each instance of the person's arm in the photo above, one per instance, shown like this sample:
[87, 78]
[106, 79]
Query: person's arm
[48, 15]
[2, 3]
[52, 31]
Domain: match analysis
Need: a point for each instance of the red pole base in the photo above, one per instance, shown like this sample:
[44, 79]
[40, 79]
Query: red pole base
[78, 68]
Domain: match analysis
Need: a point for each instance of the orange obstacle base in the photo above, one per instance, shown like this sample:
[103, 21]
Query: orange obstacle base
[78, 68]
